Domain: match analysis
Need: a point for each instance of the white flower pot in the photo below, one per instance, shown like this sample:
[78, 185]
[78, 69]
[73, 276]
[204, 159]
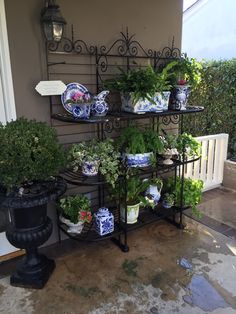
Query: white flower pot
[72, 228]
[132, 213]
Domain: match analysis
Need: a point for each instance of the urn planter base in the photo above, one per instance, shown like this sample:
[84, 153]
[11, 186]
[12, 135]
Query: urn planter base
[33, 272]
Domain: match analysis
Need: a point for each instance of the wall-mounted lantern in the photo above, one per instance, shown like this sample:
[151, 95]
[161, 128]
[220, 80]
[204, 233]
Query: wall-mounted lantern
[52, 21]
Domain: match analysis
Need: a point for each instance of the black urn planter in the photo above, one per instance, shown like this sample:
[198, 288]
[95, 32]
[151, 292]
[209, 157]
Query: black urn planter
[29, 228]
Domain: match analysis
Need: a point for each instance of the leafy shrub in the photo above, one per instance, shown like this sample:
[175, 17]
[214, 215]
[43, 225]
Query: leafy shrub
[29, 152]
[217, 93]
[192, 192]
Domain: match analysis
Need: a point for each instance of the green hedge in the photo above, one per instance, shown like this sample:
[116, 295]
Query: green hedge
[217, 93]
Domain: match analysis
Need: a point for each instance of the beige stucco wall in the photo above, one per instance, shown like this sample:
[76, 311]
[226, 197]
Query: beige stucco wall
[154, 22]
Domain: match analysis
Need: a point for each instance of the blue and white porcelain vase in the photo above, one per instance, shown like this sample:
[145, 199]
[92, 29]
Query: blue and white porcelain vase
[179, 97]
[90, 168]
[99, 107]
[104, 221]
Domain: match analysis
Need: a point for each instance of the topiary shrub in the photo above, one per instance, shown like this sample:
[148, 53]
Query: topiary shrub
[29, 152]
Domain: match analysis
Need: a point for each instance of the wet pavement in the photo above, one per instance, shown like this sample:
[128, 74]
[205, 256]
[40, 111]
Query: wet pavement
[99, 279]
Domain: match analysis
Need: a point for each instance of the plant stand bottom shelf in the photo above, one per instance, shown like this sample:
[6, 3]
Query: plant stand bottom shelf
[120, 234]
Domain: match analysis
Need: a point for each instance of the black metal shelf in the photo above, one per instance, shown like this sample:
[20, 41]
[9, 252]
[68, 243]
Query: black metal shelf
[77, 178]
[148, 216]
[89, 234]
[101, 63]
[121, 116]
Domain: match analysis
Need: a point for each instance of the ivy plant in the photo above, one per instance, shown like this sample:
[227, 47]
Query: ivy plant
[192, 192]
[104, 152]
[188, 145]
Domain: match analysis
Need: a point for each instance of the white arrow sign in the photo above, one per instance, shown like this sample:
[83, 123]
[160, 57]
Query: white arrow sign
[50, 88]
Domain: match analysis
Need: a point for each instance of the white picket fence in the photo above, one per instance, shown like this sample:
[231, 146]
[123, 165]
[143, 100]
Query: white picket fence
[210, 166]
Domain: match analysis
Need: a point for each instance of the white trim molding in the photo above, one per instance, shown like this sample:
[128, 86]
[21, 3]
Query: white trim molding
[7, 99]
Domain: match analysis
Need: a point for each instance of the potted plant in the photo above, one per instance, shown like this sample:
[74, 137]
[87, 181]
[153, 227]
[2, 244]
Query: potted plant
[169, 143]
[186, 144]
[132, 197]
[153, 192]
[75, 211]
[142, 89]
[30, 160]
[79, 103]
[139, 147]
[94, 156]
[192, 192]
[186, 74]
[163, 87]
[168, 200]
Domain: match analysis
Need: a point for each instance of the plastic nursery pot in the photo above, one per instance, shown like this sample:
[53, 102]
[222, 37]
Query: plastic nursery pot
[132, 213]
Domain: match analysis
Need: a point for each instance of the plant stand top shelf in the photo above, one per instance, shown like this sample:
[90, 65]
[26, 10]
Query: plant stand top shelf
[125, 116]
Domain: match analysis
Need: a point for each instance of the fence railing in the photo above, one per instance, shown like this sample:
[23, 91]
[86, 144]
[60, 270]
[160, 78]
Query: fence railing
[210, 167]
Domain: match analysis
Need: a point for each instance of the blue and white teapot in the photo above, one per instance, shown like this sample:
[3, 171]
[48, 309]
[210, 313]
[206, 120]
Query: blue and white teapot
[99, 107]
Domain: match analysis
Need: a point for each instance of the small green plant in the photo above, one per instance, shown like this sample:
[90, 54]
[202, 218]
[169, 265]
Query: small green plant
[142, 83]
[76, 208]
[169, 141]
[103, 151]
[188, 145]
[192, 192]
[131, 191]
[135, 188]
[29, 152]
[157, 182]
[169, 198]
[153, 141]
[186, 71]
[163, 77]
[134, 141]
[131, 141]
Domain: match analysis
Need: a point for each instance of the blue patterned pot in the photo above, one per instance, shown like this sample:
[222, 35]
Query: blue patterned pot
[179, 97]
[104, 221]
[166, 205]
[81, 111]
[100, 107]
[138, 160]
[161, 102]
[90, 168]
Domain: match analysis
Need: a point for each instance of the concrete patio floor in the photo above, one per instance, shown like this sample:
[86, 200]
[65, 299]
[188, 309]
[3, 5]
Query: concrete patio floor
[99, 279]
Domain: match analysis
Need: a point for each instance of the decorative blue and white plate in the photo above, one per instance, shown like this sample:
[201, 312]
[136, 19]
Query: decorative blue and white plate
[71, 89]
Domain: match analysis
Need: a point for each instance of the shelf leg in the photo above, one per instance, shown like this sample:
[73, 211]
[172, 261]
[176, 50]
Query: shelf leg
[181, 224]
[124, 247]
